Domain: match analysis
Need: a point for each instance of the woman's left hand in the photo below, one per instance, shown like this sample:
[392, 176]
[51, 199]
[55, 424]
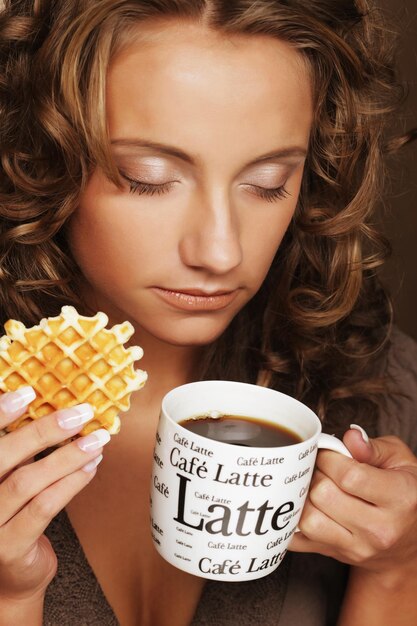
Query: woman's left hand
[363, 511]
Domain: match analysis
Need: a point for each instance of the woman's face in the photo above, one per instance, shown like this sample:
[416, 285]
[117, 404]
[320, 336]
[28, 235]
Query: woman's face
[210, 135]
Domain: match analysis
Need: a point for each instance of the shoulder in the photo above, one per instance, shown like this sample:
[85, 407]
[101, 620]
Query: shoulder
[398, 415]
[403, 351]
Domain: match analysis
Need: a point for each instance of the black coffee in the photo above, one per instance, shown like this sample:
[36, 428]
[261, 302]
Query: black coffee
[241, 431]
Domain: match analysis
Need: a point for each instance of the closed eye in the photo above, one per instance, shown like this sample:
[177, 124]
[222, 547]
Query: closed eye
[275, 193]
[150, 189]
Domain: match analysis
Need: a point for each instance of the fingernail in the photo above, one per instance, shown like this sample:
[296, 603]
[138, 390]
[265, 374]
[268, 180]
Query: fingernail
[91, 466]
[94, 440]
[75, 416]
[362, 432]
[15, 400]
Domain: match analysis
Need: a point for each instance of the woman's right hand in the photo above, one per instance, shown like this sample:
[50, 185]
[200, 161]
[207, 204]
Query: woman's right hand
[33, 492]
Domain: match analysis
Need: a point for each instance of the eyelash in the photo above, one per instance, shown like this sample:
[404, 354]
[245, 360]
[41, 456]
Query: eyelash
[135, 186]
[277, 193]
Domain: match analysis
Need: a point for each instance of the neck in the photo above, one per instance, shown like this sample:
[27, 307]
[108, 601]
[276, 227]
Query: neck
[167, 366]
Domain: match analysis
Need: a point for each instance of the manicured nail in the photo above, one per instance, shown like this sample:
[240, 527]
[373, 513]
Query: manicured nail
[91, 466]
[362, 432]
[75, 416]
[94, 440]
[15, 400]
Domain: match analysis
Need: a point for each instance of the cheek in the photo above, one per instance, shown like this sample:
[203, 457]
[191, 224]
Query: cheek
[97, 248]
[108, 259]
[262, 241]
[267, 228]
[111, 240]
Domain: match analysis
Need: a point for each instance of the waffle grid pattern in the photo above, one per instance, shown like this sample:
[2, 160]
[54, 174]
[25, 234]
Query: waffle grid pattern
[71, 359]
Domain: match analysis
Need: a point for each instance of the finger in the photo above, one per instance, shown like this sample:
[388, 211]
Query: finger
[23, 530]
[350, 512]
[22, 464]
[357, 441]
[301, 543]
[28, 481]
[13, 404]
[363, 481]
[321, 532]
[383, 452]
[42, 433]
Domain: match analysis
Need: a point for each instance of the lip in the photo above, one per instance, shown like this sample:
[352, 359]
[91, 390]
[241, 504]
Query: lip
[196, 299]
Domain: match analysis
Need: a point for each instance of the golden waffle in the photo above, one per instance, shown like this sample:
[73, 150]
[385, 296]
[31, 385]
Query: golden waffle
[68, 360]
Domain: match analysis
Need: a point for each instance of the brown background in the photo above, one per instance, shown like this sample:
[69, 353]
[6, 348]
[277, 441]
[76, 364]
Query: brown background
[400, 222]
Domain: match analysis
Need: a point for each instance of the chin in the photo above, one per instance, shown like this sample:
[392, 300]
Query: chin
[190, 340]
[190, 334]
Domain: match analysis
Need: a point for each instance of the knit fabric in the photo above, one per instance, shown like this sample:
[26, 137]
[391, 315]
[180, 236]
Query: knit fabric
[74, 597]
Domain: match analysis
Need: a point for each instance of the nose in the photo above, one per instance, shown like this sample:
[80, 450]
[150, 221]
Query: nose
[212, 238]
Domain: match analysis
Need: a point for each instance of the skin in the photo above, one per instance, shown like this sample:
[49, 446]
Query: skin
[227, 102]
[363, 512]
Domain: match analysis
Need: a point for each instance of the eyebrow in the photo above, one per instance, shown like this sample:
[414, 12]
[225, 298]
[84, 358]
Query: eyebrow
[290, 151]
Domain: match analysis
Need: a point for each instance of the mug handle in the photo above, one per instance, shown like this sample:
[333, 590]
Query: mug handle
[329, 442]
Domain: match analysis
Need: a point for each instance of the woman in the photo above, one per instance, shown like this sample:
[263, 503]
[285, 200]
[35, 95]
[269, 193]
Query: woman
[207, 170]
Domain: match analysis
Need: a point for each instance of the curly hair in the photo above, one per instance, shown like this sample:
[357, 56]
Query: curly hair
[320, 322]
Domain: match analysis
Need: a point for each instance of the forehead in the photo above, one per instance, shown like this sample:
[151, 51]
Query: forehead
[189, 84]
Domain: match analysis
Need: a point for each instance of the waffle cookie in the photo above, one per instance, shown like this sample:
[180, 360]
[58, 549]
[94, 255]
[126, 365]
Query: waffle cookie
[68, 360]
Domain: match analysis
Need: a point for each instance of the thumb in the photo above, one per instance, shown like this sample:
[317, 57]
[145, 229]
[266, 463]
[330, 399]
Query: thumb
[384, 452]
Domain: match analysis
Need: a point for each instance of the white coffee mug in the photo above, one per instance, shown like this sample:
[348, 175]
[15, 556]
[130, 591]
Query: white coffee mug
[220, 510]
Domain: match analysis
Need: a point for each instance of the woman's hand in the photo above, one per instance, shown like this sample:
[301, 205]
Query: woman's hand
[364, 511]
[32, 493]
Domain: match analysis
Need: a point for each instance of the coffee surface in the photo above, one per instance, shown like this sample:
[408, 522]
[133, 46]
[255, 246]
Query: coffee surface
[241, 431]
